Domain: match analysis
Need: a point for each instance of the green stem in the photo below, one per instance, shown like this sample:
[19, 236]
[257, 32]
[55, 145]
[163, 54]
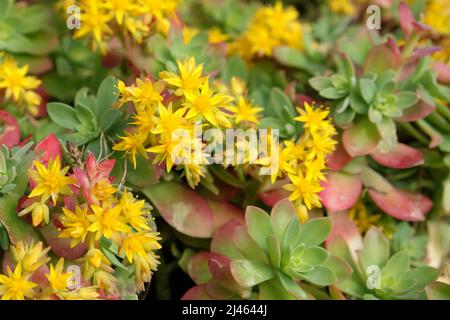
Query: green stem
[410, 44]
[413, 132]
[439, 121]
[443, 110]
[436, 137]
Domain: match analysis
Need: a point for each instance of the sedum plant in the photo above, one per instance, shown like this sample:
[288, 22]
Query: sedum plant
[270, 257]
[378, 271]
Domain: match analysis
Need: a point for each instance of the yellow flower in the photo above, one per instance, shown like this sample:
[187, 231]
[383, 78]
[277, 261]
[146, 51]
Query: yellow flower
[305, 189]
[188, 34]
[168, 121]
[16, 286]
[342, 6]
[84, 293]
[245, 111]
[51, 181]
[94, 22]
[103, 190]
[133, 211]
[139, 244]
[171, 149]
[146, 94]
[358, 213]
[270, 27]
[15, 81]
[314, 120]
[437, 15]
[193, 172]
[76, 225]
[39, 213]
[321, 146]
[206, 104]
[18, 85]
[31, 256]
[93, 261]
[215, 35]
[106, 220]
[131, 144]
[57, 278]
[105, 281]
[139, 248]
[189, 80]
[237, 86]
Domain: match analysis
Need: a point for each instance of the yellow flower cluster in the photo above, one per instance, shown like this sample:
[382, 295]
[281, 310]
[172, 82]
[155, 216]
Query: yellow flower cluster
[271, 26]
[304, 161]
[18, 86]
[29, 275]
[102, 19]
[437, 15]
[111, 215]
[161, 125]
[345, 7]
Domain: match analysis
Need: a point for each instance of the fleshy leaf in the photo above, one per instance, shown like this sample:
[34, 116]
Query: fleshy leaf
[401, 156]
[224, 212]
[403, 205]
[259, 225]
[360, 139]
[375, 251]
[341, 191]
[182, 208]
[222, 241]
[249, 273]
[315, 231]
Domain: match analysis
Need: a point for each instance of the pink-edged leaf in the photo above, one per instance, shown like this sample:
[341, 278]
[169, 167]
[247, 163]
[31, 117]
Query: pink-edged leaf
[382, 57]
[406, 18]
[401, 156]
[339, 158]
[220, 267]
[196, 293]
[341, 191]
[443, 72]
[224, 212]
[271, 197]
[182, 208]
[61, 246]
[342, 226]
[361, 139]
[418, 111]
[222, 241]
[422, 52]
[9, 129]
[48, 148]
[198, 268]
[402, 205]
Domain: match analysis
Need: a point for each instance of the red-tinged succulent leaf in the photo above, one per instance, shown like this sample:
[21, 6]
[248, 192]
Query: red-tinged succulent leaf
[61, 246]
[9, 129]
[224, 212]
[372, 180]
[406, 18]
[271, 197]
[401, 156]
[198, 268]
[220, 267]
[339, 158]
[443, 72]
[182, 208]
[382, 57]
[361, 139]
[423, 52]
[48, 148]
[341, 191]
[222, 241]
[342, 226]
[196, 293]
[402, 205]
[418, 111]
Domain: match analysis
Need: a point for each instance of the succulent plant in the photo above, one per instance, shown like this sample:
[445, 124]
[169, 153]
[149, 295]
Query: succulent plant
[270, 257]
[378, 272]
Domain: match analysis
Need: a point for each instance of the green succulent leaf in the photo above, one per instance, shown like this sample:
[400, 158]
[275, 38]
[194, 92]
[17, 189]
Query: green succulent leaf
[315, 231]
[259, 225]
[63, 115]
[249, 273]
[375, 250]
